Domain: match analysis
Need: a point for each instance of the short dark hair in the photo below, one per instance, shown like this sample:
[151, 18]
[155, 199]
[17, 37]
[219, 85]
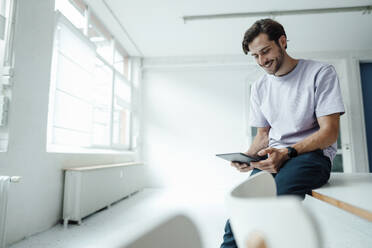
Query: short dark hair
[273, 29]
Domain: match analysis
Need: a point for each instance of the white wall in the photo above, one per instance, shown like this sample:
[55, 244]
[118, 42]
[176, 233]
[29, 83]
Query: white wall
[195, 107]
[191, 114]
[35, 204]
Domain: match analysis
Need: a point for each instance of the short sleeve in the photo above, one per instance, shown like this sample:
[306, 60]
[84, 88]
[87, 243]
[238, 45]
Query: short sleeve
[328, 98]
[256, 117]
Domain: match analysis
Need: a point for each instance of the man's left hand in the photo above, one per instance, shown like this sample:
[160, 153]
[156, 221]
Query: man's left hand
[275, 160]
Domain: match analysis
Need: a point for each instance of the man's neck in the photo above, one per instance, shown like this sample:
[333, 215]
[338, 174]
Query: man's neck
[288, 65]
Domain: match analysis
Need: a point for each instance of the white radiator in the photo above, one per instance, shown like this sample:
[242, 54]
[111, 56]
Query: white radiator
[89, 189]
[4, 189]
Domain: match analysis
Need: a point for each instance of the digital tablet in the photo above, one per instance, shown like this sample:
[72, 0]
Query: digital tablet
[239, 157]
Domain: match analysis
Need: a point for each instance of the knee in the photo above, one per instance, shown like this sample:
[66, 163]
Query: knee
[291, 188]
[288, 191]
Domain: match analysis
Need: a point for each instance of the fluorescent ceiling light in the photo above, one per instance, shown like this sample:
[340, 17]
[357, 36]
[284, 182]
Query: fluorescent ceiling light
[365, 9]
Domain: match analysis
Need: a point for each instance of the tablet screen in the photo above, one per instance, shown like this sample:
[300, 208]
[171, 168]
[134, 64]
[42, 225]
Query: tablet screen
[238, 157]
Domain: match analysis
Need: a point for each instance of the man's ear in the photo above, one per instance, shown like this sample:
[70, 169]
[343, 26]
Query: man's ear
[283, 41]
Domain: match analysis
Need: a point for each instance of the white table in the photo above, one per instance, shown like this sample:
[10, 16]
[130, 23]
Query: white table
[349, 191]
[338, 228]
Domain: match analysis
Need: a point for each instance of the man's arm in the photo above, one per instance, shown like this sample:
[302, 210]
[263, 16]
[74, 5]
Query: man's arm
[260, 141]
[324, 137]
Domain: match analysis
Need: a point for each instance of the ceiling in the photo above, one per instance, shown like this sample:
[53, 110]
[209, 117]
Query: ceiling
[156, 28]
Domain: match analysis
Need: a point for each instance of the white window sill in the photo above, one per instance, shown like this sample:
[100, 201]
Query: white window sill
[81, 150]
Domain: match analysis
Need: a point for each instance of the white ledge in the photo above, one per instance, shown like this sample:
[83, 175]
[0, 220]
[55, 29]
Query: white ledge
[104, 166]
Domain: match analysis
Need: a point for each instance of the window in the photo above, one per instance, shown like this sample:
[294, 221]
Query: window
[7, 17]
[91, 102]
[338, 162]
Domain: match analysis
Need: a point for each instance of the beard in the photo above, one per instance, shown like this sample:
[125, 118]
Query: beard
[278, 63]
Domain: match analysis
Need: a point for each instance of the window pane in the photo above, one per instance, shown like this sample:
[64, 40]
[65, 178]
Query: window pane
[121, 126]
[74, 79]
[72, 113]
[101, 98]
[101, 116]
[122, 91]
[254, 131]
[102, 85]
[74, 46]
[337, 164]
[70, 137]
[101, 134]
[339, 140]
[121, 61]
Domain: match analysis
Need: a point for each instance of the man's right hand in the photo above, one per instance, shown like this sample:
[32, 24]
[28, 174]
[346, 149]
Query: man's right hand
[242, 167]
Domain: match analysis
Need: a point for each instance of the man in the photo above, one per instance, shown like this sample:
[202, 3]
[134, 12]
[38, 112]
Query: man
[296, 107]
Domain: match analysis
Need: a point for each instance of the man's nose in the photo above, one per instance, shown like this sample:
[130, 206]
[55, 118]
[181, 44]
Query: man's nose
[262, 60]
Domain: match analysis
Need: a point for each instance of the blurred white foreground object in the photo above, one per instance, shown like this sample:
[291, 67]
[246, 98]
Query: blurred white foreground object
[175, 232]
[259, 219]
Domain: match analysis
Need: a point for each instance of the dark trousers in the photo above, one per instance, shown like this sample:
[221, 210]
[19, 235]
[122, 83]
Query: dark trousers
[298, 176]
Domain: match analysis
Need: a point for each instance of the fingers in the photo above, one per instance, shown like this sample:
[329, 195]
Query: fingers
[261, 164]
[266, 151]
[237, 165]
[254, 164]
[242, 167]
[246, 169]
[233, 164]
[266, 165]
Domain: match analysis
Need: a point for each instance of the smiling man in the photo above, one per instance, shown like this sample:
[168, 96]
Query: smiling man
[296, 107]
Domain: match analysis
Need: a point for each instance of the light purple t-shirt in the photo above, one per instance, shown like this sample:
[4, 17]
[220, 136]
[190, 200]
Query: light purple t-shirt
[290, 104]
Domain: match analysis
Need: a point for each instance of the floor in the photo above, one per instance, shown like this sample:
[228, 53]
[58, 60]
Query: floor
[128, 218]
[116, 226]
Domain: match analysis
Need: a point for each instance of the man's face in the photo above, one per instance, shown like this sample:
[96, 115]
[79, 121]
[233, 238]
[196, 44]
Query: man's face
[268, 54]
